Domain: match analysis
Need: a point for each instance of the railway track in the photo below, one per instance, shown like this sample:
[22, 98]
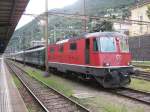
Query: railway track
[141, 66]
[137, 95]
[50, 99]
[142, 75]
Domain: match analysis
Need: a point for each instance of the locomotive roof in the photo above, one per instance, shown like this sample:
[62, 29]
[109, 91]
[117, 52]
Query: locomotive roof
[39, 46]
[35, 49]
[105, 34]
[29, 50]
[18, 52]
[96, 34]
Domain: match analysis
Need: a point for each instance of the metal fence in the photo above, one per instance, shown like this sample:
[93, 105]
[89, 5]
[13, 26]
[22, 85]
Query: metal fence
[140, 47]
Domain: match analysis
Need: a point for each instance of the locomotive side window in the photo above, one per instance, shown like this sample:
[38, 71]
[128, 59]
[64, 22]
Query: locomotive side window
[73, 46]
[124, 45]
[107, 44]
[52, 50]
[95, 45]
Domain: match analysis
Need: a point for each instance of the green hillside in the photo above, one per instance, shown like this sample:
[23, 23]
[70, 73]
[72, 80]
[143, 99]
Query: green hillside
[60, 26]
[98, 6]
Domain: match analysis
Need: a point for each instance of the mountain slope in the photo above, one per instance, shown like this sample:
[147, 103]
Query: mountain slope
[96, 6]
[33, 31]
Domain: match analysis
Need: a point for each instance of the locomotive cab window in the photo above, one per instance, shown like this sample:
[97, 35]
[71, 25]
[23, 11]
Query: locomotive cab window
[73, 46]
[95, 45]
[107, 44]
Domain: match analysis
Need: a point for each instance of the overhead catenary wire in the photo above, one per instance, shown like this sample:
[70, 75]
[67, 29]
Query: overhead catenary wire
[87, 17]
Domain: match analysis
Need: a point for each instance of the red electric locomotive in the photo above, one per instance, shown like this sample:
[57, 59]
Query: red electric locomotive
[104, 56]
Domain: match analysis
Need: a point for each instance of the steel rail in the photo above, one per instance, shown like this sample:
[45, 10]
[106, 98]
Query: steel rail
[142, 75]
[28, 88]
[142, 66]
[137, 95]
[130, 93]
[78, 106]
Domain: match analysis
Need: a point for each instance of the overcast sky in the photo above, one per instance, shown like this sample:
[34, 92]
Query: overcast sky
[37, 7]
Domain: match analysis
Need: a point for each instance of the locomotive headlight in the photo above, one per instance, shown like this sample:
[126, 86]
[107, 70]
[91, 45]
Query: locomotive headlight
[129, 63]
[106, 64]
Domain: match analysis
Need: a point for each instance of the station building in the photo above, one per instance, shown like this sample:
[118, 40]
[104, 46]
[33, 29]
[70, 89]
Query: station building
[139, 13]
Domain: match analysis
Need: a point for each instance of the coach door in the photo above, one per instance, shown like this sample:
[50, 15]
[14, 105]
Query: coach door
[87, 51]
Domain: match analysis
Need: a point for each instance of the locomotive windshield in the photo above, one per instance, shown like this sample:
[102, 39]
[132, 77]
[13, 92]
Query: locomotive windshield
[107, 44]
[104, 44]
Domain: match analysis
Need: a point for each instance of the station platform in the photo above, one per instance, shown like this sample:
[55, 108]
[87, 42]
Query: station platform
[10, 99]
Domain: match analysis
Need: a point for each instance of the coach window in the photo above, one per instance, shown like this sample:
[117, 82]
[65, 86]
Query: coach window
[61, 48]
[52, 50]
[95, 45]
[73, 46]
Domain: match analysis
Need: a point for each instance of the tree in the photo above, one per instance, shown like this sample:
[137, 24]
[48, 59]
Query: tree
[126, 13]
[148, 12]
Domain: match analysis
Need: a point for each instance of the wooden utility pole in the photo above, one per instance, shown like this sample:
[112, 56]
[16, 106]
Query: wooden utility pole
[46, 38]
[84, 13]
[23, 47]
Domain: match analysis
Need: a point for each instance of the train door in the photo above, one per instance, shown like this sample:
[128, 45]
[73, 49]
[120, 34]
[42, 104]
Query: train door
[87, 51]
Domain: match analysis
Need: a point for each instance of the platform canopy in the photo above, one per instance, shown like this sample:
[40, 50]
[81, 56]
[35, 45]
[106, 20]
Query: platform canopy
[10, 13]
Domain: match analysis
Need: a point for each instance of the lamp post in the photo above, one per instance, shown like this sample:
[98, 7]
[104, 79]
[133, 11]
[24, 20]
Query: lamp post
[46, 39]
